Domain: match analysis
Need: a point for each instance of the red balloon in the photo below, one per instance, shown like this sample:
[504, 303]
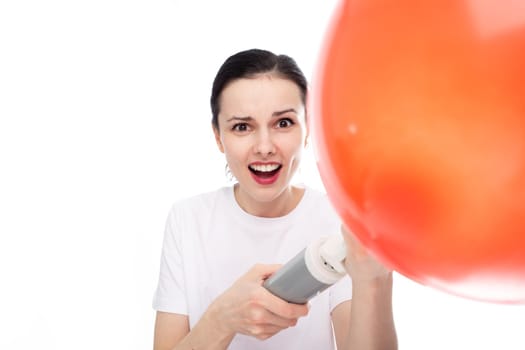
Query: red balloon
[420, 138]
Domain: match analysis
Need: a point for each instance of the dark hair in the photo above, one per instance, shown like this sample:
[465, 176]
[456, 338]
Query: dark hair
[246, 64]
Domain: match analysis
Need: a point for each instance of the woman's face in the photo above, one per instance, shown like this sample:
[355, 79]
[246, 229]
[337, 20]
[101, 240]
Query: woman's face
[262, 132]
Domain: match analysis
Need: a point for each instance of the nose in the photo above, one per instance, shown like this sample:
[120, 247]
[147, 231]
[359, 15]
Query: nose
[264, 144]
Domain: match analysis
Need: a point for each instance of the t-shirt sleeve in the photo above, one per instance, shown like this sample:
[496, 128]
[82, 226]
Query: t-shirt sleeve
[341, 291]
[170, 295]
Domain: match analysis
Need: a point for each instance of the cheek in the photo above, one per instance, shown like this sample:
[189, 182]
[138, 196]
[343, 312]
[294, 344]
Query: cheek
[234, 152]
[293, 147]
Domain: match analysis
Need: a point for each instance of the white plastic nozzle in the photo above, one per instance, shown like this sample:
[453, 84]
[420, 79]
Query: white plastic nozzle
[333, 251]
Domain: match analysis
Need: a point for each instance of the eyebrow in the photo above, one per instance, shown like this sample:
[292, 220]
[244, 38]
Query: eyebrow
[279, 113]
[274, 114]
[244, 119]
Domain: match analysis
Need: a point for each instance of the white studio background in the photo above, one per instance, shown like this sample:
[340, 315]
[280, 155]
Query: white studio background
[104, 122]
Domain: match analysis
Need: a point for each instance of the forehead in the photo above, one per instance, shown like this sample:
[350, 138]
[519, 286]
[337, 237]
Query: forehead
[259, 95]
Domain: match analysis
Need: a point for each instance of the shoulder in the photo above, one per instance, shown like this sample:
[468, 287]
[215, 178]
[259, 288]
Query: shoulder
[201, 202]
[319, 200]
[317, 211]
[190, 211]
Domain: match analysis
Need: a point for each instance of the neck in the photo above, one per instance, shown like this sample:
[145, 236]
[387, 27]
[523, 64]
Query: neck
[282, 205]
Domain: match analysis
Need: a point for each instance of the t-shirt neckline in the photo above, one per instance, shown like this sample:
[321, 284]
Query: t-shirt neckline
[245, 216]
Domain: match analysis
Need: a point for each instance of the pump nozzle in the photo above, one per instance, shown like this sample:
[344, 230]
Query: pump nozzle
[333, 252]
[314, 269]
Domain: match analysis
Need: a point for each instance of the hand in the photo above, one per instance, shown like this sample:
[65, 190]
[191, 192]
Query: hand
[248, 308]
[359, 263]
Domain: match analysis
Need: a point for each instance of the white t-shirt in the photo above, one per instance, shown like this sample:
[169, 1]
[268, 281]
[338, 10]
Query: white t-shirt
[210, 242]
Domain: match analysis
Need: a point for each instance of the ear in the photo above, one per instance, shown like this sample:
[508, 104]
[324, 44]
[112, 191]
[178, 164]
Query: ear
[307, 129]
[218, 138]
[307, 136]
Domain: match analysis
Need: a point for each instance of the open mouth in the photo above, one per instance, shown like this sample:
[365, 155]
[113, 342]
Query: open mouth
[265, 171]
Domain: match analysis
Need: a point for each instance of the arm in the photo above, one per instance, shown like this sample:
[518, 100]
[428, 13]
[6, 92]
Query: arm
[170, 328]
[172, 332]
[246, 307]
[367, 322]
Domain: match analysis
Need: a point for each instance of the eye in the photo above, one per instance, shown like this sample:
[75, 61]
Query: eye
[240, 127]
[285, 123]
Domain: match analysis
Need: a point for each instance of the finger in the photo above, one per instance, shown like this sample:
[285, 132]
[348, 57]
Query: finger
[280, 307]
[260, 272]
[269, 330]
[353, 244]
[264, 316]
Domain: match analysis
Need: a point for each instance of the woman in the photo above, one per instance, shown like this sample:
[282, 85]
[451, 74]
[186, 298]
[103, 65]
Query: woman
[219, 247]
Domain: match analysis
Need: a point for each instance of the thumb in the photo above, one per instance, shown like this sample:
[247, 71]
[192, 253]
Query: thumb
[260, 272]
[352, 244]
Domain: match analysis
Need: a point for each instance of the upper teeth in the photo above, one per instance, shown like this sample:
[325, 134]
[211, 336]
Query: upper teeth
[264, 167]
